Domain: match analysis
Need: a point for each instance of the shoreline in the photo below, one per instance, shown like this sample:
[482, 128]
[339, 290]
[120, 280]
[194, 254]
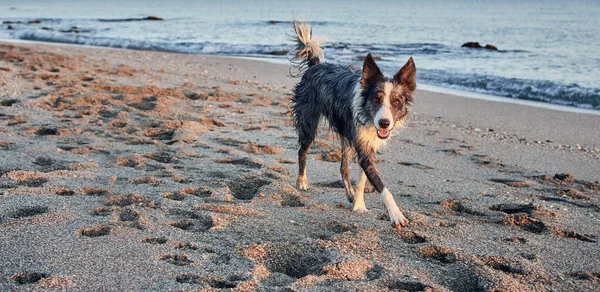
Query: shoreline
[424, 87]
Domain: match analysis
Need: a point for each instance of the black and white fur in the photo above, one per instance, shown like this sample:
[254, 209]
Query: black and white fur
[362, 107]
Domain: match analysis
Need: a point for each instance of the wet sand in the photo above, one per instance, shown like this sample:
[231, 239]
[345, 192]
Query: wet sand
[132, 170]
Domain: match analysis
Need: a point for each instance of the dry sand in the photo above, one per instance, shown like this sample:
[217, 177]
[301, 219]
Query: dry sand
[130, 170]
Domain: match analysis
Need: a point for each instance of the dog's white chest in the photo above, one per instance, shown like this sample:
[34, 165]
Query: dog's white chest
[367, 136]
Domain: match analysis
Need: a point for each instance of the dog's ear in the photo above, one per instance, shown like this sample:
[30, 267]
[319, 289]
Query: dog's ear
[407, 76]
[371, 73]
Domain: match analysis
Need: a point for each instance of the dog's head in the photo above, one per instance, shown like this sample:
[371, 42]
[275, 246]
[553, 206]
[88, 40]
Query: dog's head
[385, 101]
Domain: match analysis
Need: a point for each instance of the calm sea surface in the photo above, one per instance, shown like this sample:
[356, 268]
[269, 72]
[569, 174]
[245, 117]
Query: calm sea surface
[548, 50]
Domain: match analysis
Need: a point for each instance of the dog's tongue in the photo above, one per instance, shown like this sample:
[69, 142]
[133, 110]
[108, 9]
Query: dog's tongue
[383, 133]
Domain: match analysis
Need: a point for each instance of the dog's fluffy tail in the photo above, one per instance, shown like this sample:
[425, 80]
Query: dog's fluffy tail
[308, 51]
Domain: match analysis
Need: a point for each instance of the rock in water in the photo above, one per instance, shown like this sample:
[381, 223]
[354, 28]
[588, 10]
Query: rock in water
[491, 47]
[471, 45]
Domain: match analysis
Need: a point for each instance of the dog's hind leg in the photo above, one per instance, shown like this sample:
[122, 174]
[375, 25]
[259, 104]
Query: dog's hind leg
[345, 169]
[359, 197]
[307, 130]
[367, 163]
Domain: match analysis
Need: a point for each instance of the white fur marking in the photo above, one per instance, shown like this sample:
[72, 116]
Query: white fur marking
[387, 90]
[368, 136]
[385, 112]
[312, 45]
[396, 217]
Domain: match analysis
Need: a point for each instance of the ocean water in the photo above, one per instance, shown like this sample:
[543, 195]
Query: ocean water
[549, 51]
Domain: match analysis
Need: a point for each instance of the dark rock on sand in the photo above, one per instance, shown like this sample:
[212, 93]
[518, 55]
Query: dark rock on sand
[155, 18]
[36, 21]
[9, 27]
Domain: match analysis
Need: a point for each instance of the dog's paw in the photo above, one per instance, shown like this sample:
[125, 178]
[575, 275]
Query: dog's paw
[359, 209]
[397, 219]
[302, 183]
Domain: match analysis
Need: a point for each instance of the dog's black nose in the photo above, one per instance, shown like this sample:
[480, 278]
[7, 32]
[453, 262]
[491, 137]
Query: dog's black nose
[384, 123]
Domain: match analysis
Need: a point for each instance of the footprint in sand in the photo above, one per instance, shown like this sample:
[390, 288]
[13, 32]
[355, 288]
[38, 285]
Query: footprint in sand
[28, 277]
[28, 211]
[246, 188]
[190, 221]
[155, 240]
[176, 259]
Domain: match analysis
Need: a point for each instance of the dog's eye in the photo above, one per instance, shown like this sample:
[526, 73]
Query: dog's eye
[397, 103]
[376, 100]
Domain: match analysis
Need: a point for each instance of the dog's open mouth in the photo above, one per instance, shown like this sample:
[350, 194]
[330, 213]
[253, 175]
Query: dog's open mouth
[383, 133]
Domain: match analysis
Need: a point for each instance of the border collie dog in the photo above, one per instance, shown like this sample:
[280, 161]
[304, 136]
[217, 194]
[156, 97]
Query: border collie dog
[362, 107]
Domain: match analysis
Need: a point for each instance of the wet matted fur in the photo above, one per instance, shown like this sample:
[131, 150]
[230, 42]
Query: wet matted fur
[362, 106]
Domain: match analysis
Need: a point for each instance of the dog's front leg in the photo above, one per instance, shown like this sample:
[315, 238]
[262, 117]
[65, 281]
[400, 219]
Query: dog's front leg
[345, 169]
[359, 197]
[367, 163]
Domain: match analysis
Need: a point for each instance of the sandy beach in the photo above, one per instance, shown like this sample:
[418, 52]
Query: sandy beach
[127, 170]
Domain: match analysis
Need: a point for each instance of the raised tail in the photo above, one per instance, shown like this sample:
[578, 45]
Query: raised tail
[308, 51]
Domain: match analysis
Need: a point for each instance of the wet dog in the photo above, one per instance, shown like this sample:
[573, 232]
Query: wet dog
[362, 106]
